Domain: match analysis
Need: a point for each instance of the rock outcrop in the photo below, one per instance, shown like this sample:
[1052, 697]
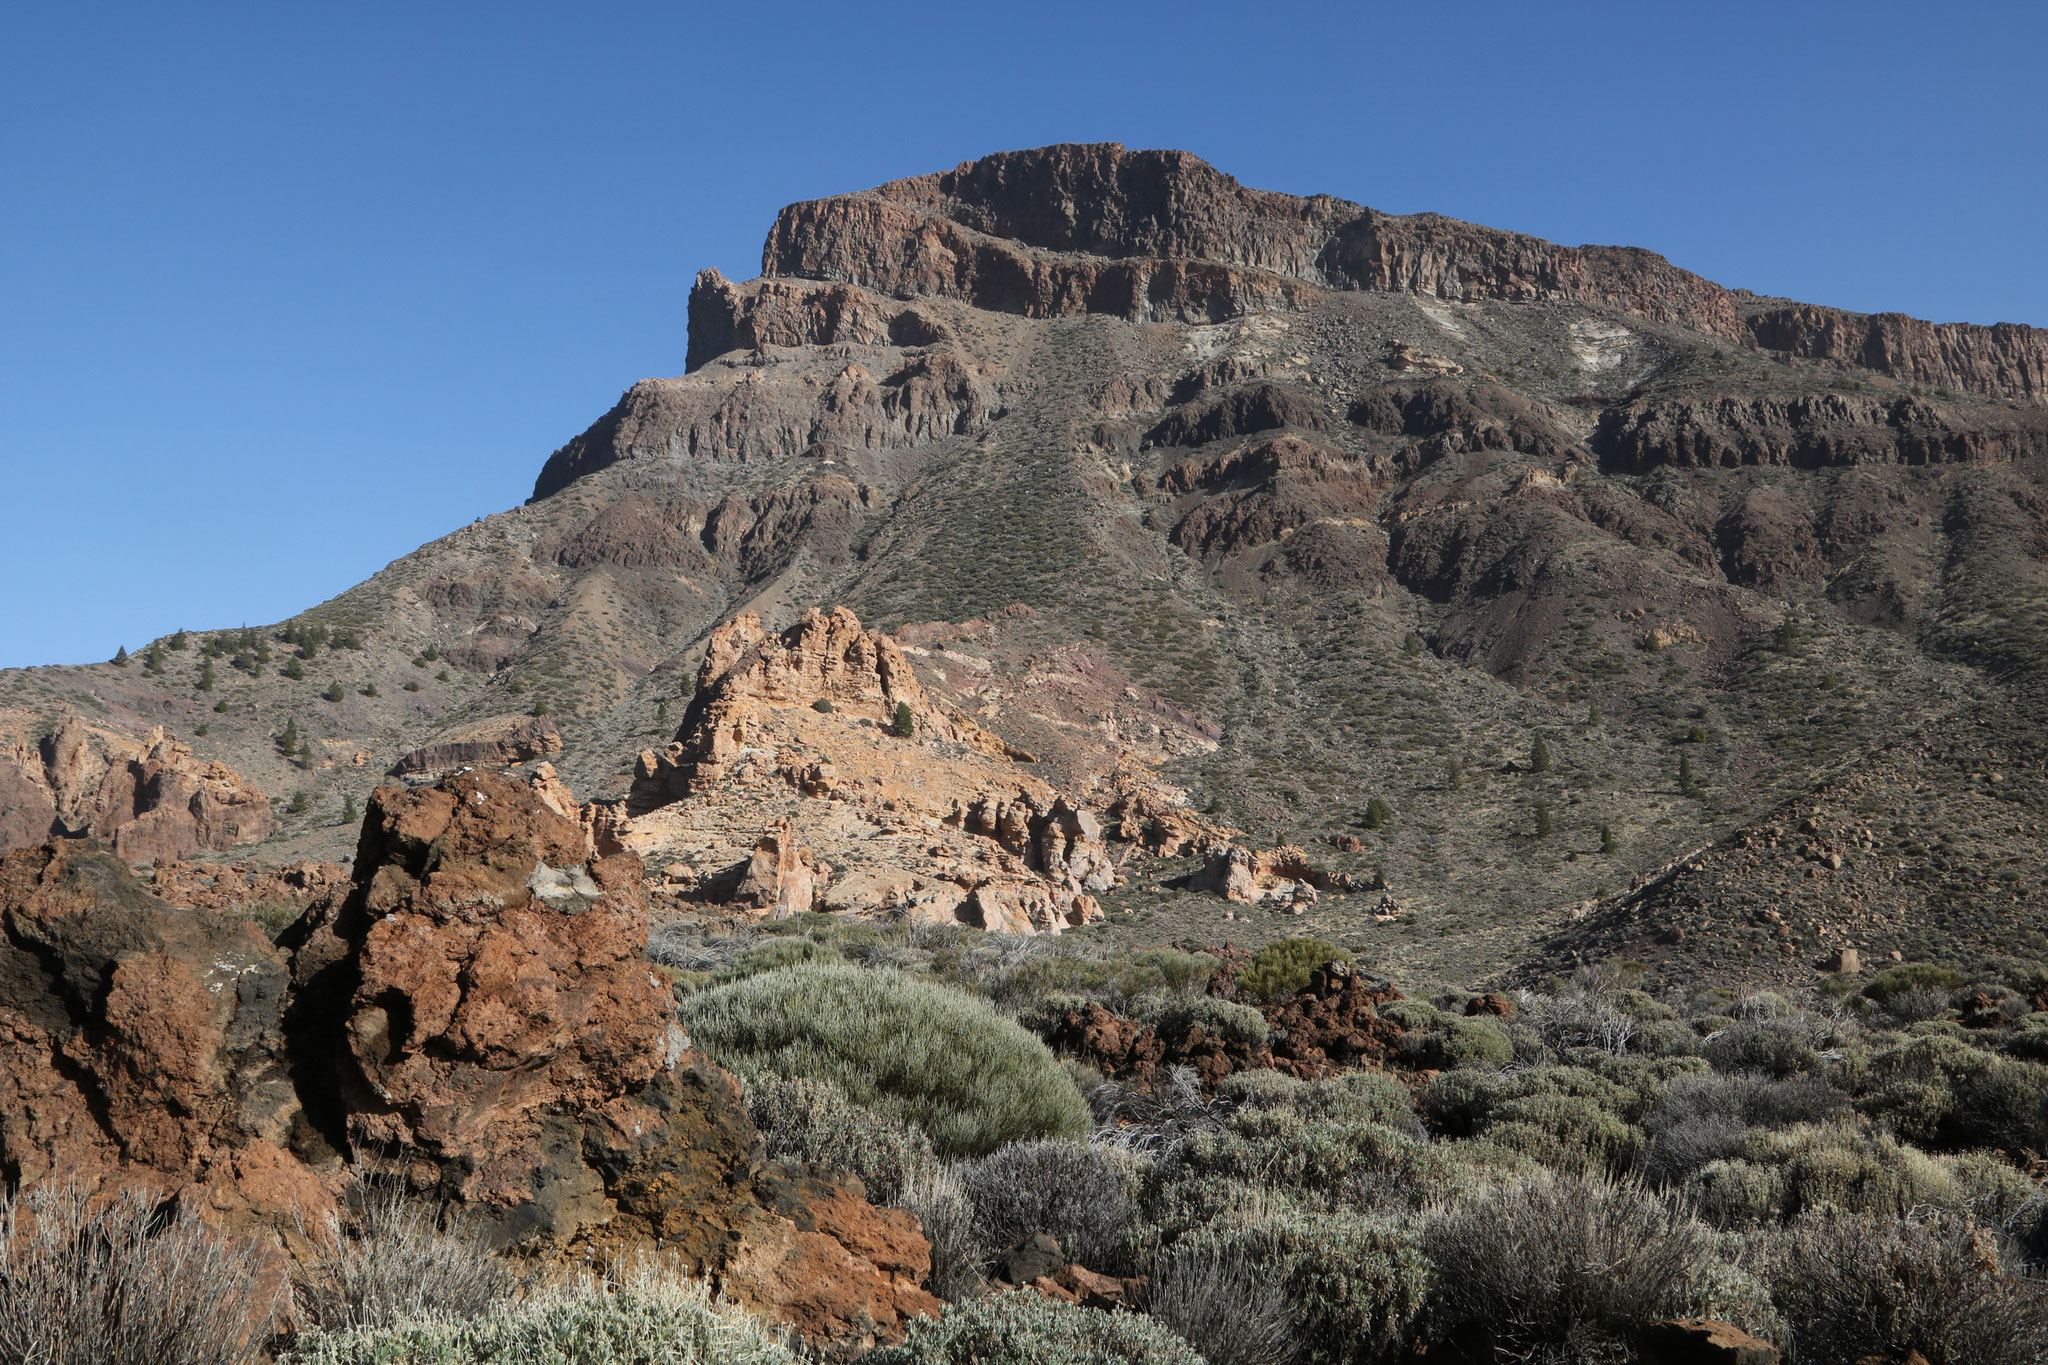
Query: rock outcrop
[1810, 431]
[497, 742]
[147, 795]
[792, 763]
[473, 1011]
[1332, 1024]
[1162, 235]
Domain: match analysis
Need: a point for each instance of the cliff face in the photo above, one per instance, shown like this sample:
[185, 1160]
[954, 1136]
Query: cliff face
[1149, 235]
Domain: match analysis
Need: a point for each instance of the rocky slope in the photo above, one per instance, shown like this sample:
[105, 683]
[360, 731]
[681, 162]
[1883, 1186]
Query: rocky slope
[1281, 503]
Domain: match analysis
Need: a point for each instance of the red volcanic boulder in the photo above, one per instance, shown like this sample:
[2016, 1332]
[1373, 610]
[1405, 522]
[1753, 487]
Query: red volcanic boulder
[139, 1042]
[481, 1010]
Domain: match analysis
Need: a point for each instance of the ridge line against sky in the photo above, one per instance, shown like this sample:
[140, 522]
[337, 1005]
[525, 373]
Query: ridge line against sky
[293, 290]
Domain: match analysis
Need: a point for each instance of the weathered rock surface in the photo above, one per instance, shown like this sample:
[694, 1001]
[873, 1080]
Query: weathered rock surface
[146, 795]
[139, 1042]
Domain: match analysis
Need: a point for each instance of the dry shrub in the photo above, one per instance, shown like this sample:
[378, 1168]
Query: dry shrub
[938, 1198]
[1219, 1297]
[815, 1123]
[1856, 1286]
[127, 1281]
[1078, 1194]
[1569, 1265]
[390, 1261]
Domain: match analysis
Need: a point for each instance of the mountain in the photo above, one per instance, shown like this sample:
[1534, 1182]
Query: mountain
[1659, 619]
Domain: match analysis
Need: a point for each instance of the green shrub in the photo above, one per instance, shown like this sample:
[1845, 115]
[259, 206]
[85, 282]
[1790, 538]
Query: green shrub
[648, 1320]
[1895, 981]
[1282, 967]
[1024, 1328]
[1357, 1283]
[776, 953]
[1568, 1133]
[1412, 1014]
[1164, 970]
[941, 1059]
[1361, 1162]
[1225, 1019]
[813, 1122]
[1467, 1043]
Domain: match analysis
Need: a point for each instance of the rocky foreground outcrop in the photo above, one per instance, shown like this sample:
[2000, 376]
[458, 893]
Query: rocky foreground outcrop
[473, 1011]
[145, 795]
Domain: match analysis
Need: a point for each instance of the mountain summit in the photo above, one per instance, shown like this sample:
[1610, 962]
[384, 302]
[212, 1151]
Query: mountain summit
[1571, 602]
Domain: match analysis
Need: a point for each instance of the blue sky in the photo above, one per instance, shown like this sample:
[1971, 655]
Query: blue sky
[286, 290]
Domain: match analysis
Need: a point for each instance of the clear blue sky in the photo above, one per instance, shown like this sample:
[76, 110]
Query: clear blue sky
[287, 289]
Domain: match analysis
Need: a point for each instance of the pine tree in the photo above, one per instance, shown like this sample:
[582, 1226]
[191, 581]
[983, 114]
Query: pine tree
[288, 738]
[1539, 756]
[1593, 714]
[1686, 782]
[1607, 842]
[905, 724]
[300, 804]
[1377, 813]
[1379, 878]
[221, 706]
[349, 814]
[661, 710]
[206, 675]
[1786, 641]
[153, 662]
[120, 659]
[540, 708]
[333, 692]
[179, 641]
[1543, 819]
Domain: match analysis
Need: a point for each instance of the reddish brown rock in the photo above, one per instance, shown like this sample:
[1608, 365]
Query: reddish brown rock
[1333, 1024]
[139, 1042]
[147, 795]
[2005, 360]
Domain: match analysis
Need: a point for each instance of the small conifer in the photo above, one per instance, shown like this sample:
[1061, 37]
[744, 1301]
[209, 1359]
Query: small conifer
[1543, 819]
[905, 724]
[334, 692]
[120, 659]
[299, 805]
[1539, 756]
[1607, 840]
[1686, 782]
[288, 738]
[1377, 813]
[349, 814]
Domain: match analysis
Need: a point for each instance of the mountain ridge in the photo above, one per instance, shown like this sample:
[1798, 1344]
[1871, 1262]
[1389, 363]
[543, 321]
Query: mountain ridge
[1377, 540]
